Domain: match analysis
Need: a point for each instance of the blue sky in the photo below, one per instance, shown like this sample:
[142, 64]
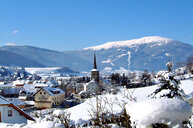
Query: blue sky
[76, 24]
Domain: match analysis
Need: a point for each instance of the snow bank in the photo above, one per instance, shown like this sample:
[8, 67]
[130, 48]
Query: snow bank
[164, 110]
[80, 113]
[43, 124]
[187, 86]
[58, 112]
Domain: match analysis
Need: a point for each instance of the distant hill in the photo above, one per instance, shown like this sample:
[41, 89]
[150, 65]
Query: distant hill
[12, 59]
[150, 53]
[46, 57]
[65, 70]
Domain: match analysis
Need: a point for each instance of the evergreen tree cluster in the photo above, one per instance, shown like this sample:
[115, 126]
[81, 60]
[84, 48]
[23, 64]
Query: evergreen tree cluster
[169, 86]
[145, 79]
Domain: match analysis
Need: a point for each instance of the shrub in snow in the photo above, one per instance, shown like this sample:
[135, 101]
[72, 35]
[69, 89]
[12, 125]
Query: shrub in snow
[164, 111]
[64, 118]
[58, 112]
[103, 117]
[168, 86]
[168, 92]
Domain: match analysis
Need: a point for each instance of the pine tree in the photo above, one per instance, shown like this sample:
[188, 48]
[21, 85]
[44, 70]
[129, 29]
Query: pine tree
[124, 80]
[169, 86]
[18, 74]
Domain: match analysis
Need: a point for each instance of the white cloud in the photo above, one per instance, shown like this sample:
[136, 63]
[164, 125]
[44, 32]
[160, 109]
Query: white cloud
[10, 44]
[15, 32]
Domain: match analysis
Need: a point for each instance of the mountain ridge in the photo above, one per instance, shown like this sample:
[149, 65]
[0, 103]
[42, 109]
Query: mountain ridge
[143, 40]
[148, 53]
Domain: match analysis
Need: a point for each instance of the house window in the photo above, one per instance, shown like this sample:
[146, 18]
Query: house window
[40, 92]
[44, 93]
[10, 113]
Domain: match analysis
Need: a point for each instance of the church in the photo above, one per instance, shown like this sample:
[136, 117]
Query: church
[93, 87]
[97, 84]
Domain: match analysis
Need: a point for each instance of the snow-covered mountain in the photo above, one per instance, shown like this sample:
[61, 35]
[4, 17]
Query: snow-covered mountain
[150, 53]
[158, 40]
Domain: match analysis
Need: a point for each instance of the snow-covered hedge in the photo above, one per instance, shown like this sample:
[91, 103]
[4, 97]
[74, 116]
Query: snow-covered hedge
[164, 110]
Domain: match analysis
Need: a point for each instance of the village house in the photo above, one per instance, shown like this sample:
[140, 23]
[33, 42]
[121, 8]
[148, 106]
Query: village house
[9, 113]
[49, 97]
[71, 88]
[11, 92]
[5, 86]
[18, 83]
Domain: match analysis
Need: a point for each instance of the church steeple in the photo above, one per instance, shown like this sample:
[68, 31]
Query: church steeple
[95, 65]
[94, 71]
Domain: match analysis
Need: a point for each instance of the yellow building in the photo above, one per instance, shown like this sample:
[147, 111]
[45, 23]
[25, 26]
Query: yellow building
[48, 97]
[190, 101]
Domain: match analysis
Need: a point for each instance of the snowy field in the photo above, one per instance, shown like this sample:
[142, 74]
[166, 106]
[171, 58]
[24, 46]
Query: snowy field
[41, 70]
[80, 113]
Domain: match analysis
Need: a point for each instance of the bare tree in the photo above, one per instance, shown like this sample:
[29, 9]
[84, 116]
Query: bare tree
[65, 119]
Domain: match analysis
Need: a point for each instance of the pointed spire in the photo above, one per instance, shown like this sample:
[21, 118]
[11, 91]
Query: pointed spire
[95, 65]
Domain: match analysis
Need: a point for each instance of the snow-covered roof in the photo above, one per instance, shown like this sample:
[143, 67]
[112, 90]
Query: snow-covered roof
[3, 101]
[16, 101]
[29, 88]
[11, 91]
[30, 102]
[1, 83]
[94, 70]
[18, 82]
[53, 91]
[92, 81]
[41, 85]
[23, 97]
[6, 85]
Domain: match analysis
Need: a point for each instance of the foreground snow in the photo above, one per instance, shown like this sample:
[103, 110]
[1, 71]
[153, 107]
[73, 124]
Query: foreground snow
[187, 86]
[80, 112]
[162, 112]
[168, 111]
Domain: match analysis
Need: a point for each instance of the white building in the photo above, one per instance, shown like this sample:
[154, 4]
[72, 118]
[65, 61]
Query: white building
[92, 87]
[9, 113]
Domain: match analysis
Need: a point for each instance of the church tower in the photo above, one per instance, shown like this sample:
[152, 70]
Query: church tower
[94, 71]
